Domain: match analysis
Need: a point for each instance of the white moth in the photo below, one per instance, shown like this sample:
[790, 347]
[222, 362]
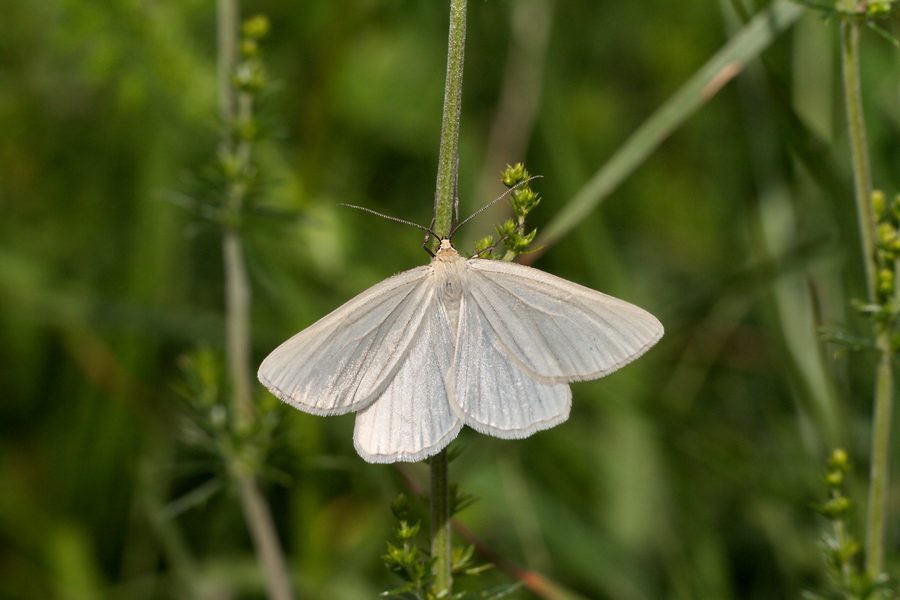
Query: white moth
[484, 343]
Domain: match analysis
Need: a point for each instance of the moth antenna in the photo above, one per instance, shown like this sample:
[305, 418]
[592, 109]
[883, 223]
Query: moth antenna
[427, 230]
[490, 204]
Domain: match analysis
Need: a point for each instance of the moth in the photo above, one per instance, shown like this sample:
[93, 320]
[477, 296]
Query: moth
[459, 341]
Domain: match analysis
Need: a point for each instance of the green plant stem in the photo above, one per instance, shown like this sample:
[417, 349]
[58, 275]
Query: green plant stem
[447, 160]
[840, 534]
[876, 521]
[265, 539]
[862, 179]
[884, 375]
[237, 284]
[227, 15]
[440, 523]
[237, 288]
[237, 305]
[443, 213]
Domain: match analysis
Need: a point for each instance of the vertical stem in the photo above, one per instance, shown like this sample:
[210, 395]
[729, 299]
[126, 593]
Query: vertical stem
[237, 305]
[447, 163]
[443, 210]
[876, 520]
[237, 308]
[237, 287]
[884, 375]
[862, 179]
[227, 16]
[440, 523]
[265, 539]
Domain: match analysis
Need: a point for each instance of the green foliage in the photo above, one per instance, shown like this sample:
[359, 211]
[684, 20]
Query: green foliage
[208, 429]
[886, 312]
[847, 578]
[410, 558]
[873, 13]
[687, 474]
[522, 199]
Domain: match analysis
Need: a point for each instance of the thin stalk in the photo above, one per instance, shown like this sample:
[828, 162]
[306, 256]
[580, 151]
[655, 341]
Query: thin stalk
[265, 539]
[441, 548]
[862, 178]
[447, 160]
[443, 213]
[237, 305]
[884, 375]
[879, 476]
[227, 17]
[237, 285]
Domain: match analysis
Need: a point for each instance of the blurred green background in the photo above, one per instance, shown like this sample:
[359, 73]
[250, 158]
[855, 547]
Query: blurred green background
[689, 474]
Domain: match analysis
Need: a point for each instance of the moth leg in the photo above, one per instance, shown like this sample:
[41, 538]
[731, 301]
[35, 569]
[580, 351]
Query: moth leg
[430, 227]
[455, 192]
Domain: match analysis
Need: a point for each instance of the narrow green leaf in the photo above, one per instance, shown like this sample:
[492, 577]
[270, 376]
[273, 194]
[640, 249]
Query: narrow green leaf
[199, 495]
[745, 46]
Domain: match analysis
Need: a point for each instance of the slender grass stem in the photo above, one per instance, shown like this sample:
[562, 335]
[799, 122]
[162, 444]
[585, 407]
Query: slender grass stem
[884, 375]
[443, 212]
[237, 305]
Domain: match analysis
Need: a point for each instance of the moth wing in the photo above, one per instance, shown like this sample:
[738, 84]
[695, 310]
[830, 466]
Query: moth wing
[490, 393]
[412, 418]
[555, 329]
[345, 360]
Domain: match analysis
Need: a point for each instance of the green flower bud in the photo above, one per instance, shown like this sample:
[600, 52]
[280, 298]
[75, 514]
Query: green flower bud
[513, 175]
[887, 234]
[406, 532]
[524, 200]
[839, 460]
[878, 8]
[834, 479]
[507, 228]
[400, 506]
[879, 203]
[256, 27]
[249, 48]
[836, 508]
[886, 281]
[249, 76]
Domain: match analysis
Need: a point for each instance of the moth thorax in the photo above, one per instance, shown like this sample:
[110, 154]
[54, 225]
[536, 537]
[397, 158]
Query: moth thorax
[449, 272]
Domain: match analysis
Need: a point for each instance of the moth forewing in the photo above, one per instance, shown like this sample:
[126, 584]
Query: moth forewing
[556, 330]
[345, 360]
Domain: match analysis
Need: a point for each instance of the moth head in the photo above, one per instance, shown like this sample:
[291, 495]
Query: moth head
[446, 244]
